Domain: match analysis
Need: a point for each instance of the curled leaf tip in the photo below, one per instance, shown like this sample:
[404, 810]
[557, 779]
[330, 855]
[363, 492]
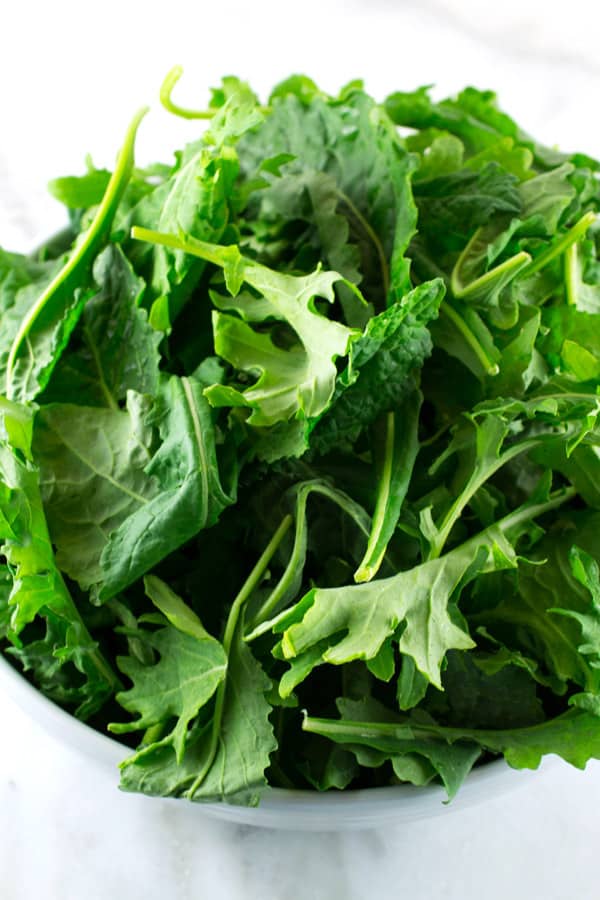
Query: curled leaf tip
[166, 91]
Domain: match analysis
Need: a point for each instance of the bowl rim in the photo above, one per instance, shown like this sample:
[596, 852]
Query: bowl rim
[279, 807]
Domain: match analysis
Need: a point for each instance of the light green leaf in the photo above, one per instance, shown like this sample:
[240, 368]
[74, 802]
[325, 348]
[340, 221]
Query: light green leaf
[485, 441]
[581, 294]
[296, 382]
[246, 740]
[178, 613]
[520, 363]
[550, 607]
[357, 619]
[80, 191]
[585, 570]
[304, 377]
[545, 198]
[412, 684]
[196, 204]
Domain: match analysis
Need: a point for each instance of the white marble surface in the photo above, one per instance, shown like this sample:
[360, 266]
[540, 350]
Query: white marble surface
[67, 834]
[71, 74]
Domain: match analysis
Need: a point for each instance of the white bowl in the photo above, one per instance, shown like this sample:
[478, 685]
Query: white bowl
[281, 809]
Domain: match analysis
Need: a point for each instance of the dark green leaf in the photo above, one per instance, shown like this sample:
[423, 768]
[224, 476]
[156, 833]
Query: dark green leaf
[132, 506]
[117, 350]
[38, 589]
[380, 372]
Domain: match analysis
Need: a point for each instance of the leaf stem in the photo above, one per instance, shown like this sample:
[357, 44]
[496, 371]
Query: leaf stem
[153, 734]
[395, 447]
[246, 590]
[571, 274]
[408, 728]
[369, 567]
[84, 253]
[510, 267]
[177, 242]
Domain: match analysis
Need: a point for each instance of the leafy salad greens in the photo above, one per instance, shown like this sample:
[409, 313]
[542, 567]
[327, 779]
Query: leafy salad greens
[299, 447]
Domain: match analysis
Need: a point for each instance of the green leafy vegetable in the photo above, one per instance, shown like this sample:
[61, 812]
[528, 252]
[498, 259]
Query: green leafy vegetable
[300, 447]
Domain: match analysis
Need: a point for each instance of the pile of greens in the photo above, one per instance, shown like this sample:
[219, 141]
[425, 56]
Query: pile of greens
[299, 447]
